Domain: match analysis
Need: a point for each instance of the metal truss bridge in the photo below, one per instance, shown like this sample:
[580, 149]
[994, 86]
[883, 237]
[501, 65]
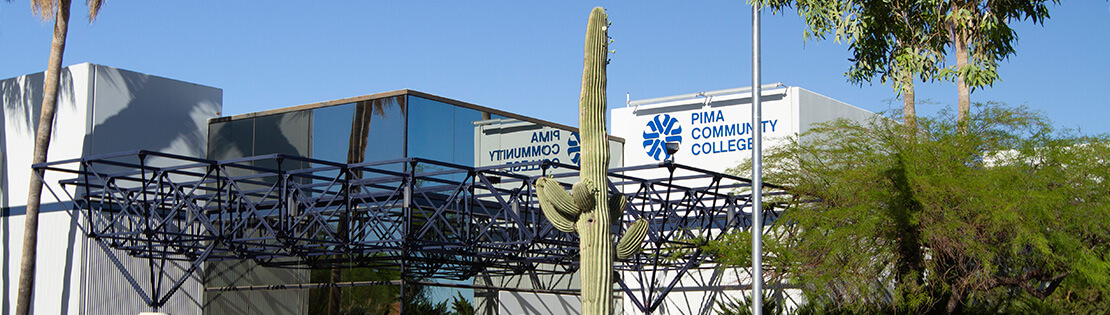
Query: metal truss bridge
[425, 219]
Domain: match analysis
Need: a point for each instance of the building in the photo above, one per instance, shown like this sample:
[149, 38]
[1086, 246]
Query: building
[100, 110]
[714, 128]
[382, 127]
[283, 162]
[714, 131]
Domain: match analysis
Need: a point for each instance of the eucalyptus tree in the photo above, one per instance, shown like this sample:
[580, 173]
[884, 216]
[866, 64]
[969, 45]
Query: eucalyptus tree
[979, 32]
[898, 45]
[903, 40]
[59, 11]
[894, 41]
[1010, 216]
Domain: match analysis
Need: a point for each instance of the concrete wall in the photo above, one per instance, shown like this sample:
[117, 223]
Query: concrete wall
[519, 302]
[100, 110]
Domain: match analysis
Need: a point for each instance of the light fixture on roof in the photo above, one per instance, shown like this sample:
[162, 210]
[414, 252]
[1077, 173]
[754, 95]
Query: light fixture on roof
[672, 148]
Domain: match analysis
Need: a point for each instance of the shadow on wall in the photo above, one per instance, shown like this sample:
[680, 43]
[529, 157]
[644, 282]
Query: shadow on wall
[10, 90]
[285, 133]
[22, 98]
[135, 111]
[22, 101]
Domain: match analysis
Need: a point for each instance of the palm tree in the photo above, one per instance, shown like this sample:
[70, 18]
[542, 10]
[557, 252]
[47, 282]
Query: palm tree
[59, 10]
[356, 153]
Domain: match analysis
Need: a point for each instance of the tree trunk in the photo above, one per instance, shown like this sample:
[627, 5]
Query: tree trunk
[909, 111]
[964, 90]
[42, 143]
[953, 302]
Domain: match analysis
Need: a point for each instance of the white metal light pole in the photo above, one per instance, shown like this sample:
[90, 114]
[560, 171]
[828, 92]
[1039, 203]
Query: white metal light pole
[757, 170]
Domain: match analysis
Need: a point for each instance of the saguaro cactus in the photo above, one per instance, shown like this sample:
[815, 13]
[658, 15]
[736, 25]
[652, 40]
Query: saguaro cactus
[589, 209]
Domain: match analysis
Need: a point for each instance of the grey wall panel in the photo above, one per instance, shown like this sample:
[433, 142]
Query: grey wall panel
[9, 92]
[540, 304]
[491, 301]
[139, 111]
[111, 276]
[135, 111]
[21, 100]
[100, 110]
[816, 108]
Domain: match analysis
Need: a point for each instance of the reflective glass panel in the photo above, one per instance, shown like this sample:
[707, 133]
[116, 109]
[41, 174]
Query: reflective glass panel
[331, 132]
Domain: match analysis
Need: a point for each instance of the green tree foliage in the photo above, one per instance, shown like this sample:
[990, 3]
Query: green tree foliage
[1012, 216]
[980, 36]
[461, 306]
[900, 40]
[895, 41]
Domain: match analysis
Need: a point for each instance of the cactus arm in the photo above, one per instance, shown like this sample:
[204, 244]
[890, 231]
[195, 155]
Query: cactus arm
[556, 218]
[617, 204]
[633, 239]
[583, 198]
[553, 192]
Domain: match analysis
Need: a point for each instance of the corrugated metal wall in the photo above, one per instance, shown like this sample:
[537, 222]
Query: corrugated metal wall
[108, 290]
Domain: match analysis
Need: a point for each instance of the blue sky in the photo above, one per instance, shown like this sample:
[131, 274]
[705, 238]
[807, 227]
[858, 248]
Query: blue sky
[526, 56]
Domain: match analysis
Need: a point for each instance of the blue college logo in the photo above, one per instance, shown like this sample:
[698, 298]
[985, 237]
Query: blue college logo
[662, 129]
[574, 147]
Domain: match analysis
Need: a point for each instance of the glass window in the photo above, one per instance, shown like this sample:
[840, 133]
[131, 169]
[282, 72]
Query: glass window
[430, 130]
[231, 139]
[464, 135]
[331, 132]
[434, 132]
[386, 119]
[286, 133]
[373, 127]
[365, 131]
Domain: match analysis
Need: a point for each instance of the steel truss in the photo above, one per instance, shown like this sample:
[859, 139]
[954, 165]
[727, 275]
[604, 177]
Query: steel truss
[423, 218]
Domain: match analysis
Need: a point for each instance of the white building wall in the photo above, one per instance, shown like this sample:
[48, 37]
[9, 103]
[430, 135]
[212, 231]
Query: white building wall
[58, 248]
[714, 133]
[100, 110]
[819, 108]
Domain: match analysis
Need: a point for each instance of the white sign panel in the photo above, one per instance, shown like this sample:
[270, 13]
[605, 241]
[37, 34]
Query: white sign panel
[515, 142]
[716, 136]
